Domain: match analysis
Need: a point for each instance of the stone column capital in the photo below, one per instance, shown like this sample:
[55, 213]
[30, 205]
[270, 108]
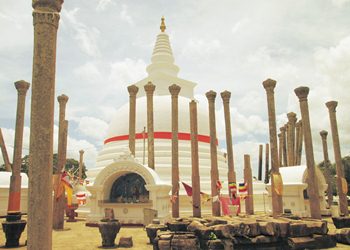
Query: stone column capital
[22, 87]
[149, 88]
[283, 129]
[323, 134]
[47, 5]
[332, 105]
[211, 95]
[133, 89]
[62, 99]
[302, 93]
[299, 124]
[174, 90]
[292, 117]
[226, 95]
[81, 152]
[47, 17]
[269, 85]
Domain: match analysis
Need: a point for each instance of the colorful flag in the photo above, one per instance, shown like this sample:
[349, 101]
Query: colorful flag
[277, 180]
[243, 190]
[232, 187]
[204, 197]
[225, 201]
[218, 184]
[69, 192]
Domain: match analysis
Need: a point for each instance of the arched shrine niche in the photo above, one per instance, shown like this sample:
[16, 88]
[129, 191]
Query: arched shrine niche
[129, 188]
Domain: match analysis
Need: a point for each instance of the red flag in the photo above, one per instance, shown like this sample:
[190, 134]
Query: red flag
[188, 188]
[218, 185]
[225, 201]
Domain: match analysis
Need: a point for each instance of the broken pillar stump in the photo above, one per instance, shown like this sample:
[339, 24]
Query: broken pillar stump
[125, 242]
[341, 222]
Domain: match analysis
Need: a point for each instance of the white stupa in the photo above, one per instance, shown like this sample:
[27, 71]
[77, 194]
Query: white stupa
[162, 72]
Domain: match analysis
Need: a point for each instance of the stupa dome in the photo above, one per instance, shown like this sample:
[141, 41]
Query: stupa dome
[162, 72]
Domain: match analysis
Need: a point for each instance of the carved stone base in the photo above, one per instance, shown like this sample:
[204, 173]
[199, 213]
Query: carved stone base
[13, 230]
[108, 231]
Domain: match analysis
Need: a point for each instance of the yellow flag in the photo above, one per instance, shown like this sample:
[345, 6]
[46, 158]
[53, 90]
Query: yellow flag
[344, 186]
[69, 192]
[277, 180]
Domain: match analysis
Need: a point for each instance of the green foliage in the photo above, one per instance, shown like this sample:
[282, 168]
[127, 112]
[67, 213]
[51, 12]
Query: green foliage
[72, 165]
[333, 171]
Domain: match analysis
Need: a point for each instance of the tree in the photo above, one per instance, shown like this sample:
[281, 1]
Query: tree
[72, 166]
[333, 172]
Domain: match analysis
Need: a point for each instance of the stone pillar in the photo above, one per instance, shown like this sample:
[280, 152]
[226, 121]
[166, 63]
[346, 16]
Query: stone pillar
[267, 161]
[248, 178]
[149, 89]
[327, 164]
[214, 172]
[59, 202]
[174, 91]
[299, 142]
[260, 162]
[291, 137]
[231, 174]
[312, 189]
[81, 163]
[284, 145]
[277, 205]
[332, 105]
[132, 117]
[14, 202]
[280, 149]
[45, 19]
[5, 156]
[196, 196]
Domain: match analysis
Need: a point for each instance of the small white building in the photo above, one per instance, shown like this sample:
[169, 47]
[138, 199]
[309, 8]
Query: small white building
[128, 187]
[295, 195]
[4, 192]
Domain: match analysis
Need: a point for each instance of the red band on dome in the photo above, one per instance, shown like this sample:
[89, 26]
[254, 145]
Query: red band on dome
[160, 135]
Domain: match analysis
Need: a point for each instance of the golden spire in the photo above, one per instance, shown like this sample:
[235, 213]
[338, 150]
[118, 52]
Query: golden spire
[162, 25]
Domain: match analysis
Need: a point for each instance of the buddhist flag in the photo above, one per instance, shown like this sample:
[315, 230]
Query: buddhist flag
[218, 184]
[204, 197]
[225, 201]
[243, 190]
[277, 181]
[232, 187]
[67, 187]
[344, 186]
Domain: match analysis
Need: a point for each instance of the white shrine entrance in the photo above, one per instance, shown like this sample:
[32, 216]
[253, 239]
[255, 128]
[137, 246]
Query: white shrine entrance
[128, 187]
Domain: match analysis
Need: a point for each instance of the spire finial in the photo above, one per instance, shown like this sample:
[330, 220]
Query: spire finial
[162, 25]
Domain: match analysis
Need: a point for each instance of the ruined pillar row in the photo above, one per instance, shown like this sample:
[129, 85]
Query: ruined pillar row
[283, 130]
[14, 202]
[267, 163]
[277, 205]
[327, 165]
[332, 105]
[248, 179]
[280, 149]
[299, 142]
[231, 174]
[292, 118]
[175, 175]
[260, 162]
[196, 199]
[81, 164]
[132, 89]
[312, 189]
[59, 202]
[5, 155]
[214, 172]
[45, 20]
[149, 89]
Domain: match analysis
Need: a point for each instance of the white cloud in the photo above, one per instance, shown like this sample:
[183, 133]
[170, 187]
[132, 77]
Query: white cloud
[124, 15]
[340, 3]
[199, 47]
[238, 25]
[102, 4]
[86, 36]
[89, 71]
[93, 127]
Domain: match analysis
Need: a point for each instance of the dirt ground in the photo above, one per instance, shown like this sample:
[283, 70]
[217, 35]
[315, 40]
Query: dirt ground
[76, 236]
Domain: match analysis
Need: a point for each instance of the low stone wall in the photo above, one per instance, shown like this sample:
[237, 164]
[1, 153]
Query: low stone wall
[252, 232]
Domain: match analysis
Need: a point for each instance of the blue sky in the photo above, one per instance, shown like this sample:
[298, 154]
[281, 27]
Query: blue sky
[105, 45]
